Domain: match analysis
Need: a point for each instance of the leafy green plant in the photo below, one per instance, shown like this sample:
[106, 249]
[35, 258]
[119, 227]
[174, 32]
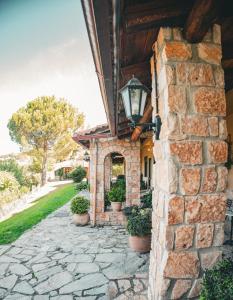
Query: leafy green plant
[116, 194]
[10, 165]
[139, 222]
[78, 174]
[146, 200]
[79, 205]
[218, 282]
[81, 186]
[130, 210]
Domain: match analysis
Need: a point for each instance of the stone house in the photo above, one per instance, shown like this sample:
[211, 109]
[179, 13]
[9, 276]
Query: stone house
[183, 52]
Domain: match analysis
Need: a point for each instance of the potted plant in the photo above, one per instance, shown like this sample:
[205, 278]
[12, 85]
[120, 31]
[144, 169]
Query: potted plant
[79, 208]
[116, 195]
[139, 229]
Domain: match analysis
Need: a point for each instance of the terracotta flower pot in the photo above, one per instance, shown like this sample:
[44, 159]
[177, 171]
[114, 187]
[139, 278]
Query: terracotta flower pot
[82, 219]
[116, 206]
[140, 244]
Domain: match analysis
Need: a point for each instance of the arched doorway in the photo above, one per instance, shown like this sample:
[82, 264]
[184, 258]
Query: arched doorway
[114, 173]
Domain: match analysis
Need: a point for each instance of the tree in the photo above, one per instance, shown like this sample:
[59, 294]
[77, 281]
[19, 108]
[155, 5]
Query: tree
[42, 124]
[78, 174]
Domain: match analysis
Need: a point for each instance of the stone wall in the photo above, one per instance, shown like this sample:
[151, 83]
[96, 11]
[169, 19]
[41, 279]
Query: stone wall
[99, 152]
[189, 174]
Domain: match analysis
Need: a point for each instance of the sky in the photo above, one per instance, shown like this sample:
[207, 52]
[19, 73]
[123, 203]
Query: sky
[45, 51]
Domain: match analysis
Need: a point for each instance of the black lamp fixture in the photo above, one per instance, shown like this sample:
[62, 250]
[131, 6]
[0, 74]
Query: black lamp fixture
[134, 95]
[86, 156]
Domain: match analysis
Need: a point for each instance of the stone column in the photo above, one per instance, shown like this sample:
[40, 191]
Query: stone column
[189, 174]
[107, 172]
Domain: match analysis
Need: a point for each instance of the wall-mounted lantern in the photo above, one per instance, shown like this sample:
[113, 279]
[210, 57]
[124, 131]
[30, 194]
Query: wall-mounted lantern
[134, 95]
[86, 156]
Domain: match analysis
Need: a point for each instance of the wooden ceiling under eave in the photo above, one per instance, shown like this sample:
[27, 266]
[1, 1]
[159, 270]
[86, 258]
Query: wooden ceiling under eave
[141, 20]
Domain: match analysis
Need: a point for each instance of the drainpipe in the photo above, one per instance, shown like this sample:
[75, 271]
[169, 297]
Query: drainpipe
[95, 181]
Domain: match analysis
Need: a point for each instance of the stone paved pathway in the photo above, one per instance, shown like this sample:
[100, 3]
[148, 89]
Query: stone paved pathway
[57, 260]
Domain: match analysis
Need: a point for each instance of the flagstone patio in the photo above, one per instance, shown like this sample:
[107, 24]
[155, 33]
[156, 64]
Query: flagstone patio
[57, 260]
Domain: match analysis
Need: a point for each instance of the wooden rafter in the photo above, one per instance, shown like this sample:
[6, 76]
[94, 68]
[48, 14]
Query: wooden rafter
[146, 118]
[203, 14]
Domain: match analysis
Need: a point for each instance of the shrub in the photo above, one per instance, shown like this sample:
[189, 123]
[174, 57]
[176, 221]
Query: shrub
[107, 202]
[78, 174]
[119, 183]
[129, 210]
[79, 205]
[116, 194]
[81, 186]
[8, 181]
[139, 222]
[218, 282]
[9, 188]
[10, 165]
[146, 200]
[24, 190]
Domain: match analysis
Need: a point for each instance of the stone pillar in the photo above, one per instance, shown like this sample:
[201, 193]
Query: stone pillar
[107, 172]
[189, 174]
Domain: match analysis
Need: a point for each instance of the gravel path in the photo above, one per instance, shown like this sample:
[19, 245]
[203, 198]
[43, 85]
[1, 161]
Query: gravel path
[57, 260]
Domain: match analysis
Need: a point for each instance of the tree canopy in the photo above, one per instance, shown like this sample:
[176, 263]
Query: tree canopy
[43, 125]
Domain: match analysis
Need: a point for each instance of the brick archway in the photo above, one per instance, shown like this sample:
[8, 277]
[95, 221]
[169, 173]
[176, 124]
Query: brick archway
[99, 151]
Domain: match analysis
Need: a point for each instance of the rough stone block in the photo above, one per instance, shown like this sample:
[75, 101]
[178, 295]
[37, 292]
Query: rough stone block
[218, 234]
[176, 51]
[210, 53]
[200, 74]
[196, 289]
[217, 152]
[205, 234]
[180, 288]
[195, 125]
[188, 152]
[176, 210]
[219, 77]
[222, 129]
[184, 237]
[213, 126]
[205, 208]
[210, 101]
[209, 182]
[177, 99]
[209, 259]
[217, 34]
[181, 73]
[182, 265]
[190, 180]
[222, 178]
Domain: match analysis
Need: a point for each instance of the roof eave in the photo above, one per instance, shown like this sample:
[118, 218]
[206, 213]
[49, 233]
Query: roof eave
[99, 31]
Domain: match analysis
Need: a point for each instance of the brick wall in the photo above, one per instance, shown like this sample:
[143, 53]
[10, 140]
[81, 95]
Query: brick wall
[99, 152]
[189, 176]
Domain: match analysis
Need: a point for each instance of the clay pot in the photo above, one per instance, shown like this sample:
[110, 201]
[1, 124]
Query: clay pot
[81, 219]
[140, 244]
[116, 206]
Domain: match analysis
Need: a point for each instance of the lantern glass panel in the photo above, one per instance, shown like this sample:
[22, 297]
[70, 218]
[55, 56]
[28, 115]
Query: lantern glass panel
[143, 102]
[126, 102]
[135, 94]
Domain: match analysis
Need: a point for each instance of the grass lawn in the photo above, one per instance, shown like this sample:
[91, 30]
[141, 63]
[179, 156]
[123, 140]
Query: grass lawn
[15, 226]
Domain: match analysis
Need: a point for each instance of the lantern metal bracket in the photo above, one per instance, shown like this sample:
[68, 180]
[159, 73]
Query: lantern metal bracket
[155, 126]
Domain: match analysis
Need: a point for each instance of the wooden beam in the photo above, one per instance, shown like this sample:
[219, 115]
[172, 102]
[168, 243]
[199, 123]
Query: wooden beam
[227, 63]
[140, 70]
[203, 14]
[146, 118]
[146, 16]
